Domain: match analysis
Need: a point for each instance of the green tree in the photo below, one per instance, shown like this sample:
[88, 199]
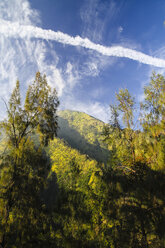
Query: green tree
[38, 112]
[112, 135]
[153, 121]
[126, 106]
[121, 141]
[24, 167]
[137, 212]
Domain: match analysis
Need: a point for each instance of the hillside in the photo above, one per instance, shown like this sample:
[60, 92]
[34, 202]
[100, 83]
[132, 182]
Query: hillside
[84, 133]
[81, 132]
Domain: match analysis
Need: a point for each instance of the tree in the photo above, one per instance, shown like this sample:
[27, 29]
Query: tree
[112, 135]
[40, 107]
[121, 141]
[154, 104]
[24, 167]
[153, 121]
[38, 113]
[126, 106]
[132, 184]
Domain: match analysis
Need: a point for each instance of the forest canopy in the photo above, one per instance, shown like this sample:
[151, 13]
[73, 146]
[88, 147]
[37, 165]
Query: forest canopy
[53, 194]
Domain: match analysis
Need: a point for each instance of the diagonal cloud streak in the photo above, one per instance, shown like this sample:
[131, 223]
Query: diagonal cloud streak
[15, 30]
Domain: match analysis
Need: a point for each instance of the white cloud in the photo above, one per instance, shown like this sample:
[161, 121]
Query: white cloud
[93, 108]
[120, 29]
[158, 53]
[95, 14]
[21, 55]
[18, 11]
[97, 92]
[71, 74]
[15, 30]
[22, 58]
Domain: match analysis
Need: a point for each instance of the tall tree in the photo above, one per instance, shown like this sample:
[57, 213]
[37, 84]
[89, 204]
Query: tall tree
[136, 187]
[24, 167]
[121, 140]
[153, 121]
[126, 106]
[38, 113]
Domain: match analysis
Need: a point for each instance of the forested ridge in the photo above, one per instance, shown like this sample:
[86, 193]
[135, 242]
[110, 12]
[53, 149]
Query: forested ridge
[69, 180]
[84, 133]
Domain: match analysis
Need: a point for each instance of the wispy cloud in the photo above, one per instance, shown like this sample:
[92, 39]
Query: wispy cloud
[147, 76]
[120, 29]
[16, 30]
[19, 10]
[93, 108]
[95, 14]
[20, 58]
[25, 49]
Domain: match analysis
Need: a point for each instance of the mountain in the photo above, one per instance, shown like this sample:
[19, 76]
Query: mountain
[84, 133]
[80, 131]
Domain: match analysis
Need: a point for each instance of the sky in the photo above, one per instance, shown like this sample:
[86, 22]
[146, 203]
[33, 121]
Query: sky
[88, 49]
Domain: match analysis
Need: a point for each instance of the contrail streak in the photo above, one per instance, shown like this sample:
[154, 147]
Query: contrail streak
[15, 30]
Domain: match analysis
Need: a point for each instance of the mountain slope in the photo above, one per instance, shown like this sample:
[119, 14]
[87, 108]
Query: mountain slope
[84, 133]
[81, 132]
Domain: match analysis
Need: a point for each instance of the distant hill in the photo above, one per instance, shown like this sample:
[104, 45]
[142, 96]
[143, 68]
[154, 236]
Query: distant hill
[84, 133]
[80, 131]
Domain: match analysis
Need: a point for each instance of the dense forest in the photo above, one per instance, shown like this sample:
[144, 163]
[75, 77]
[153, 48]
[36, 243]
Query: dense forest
[69, 180]
[84, 133]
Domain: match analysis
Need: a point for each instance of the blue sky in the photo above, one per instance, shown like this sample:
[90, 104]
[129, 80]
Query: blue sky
[86, 80]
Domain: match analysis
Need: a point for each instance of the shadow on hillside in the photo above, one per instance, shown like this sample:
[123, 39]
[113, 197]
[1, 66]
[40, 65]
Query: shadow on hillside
[77, 141]
[50, 193]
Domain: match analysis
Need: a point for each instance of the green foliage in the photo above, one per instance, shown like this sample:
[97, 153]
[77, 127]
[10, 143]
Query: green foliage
[153, 121]
[23, 175]
[83, 133]
[24, 168]
[38, 112]
[76, 201]
[154, 105]
[78, 179]
[126, 104]
[121, 142]
[63, 158]
[138, 162]
[40, 106]
[100, 207]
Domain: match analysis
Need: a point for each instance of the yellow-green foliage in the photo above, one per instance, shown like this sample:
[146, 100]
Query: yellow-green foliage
[84, 133]
[79, 179]
[89, 127]
[2, 144]
[67, 162]
[74, 201]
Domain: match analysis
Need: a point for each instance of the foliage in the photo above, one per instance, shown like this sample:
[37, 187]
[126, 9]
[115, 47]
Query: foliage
[138, 161]
[39, 112]
[24, 167]
[84, 133]
[77, 180]
[23, 177]
[77, 201]
[121, 142]
[153, 121]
